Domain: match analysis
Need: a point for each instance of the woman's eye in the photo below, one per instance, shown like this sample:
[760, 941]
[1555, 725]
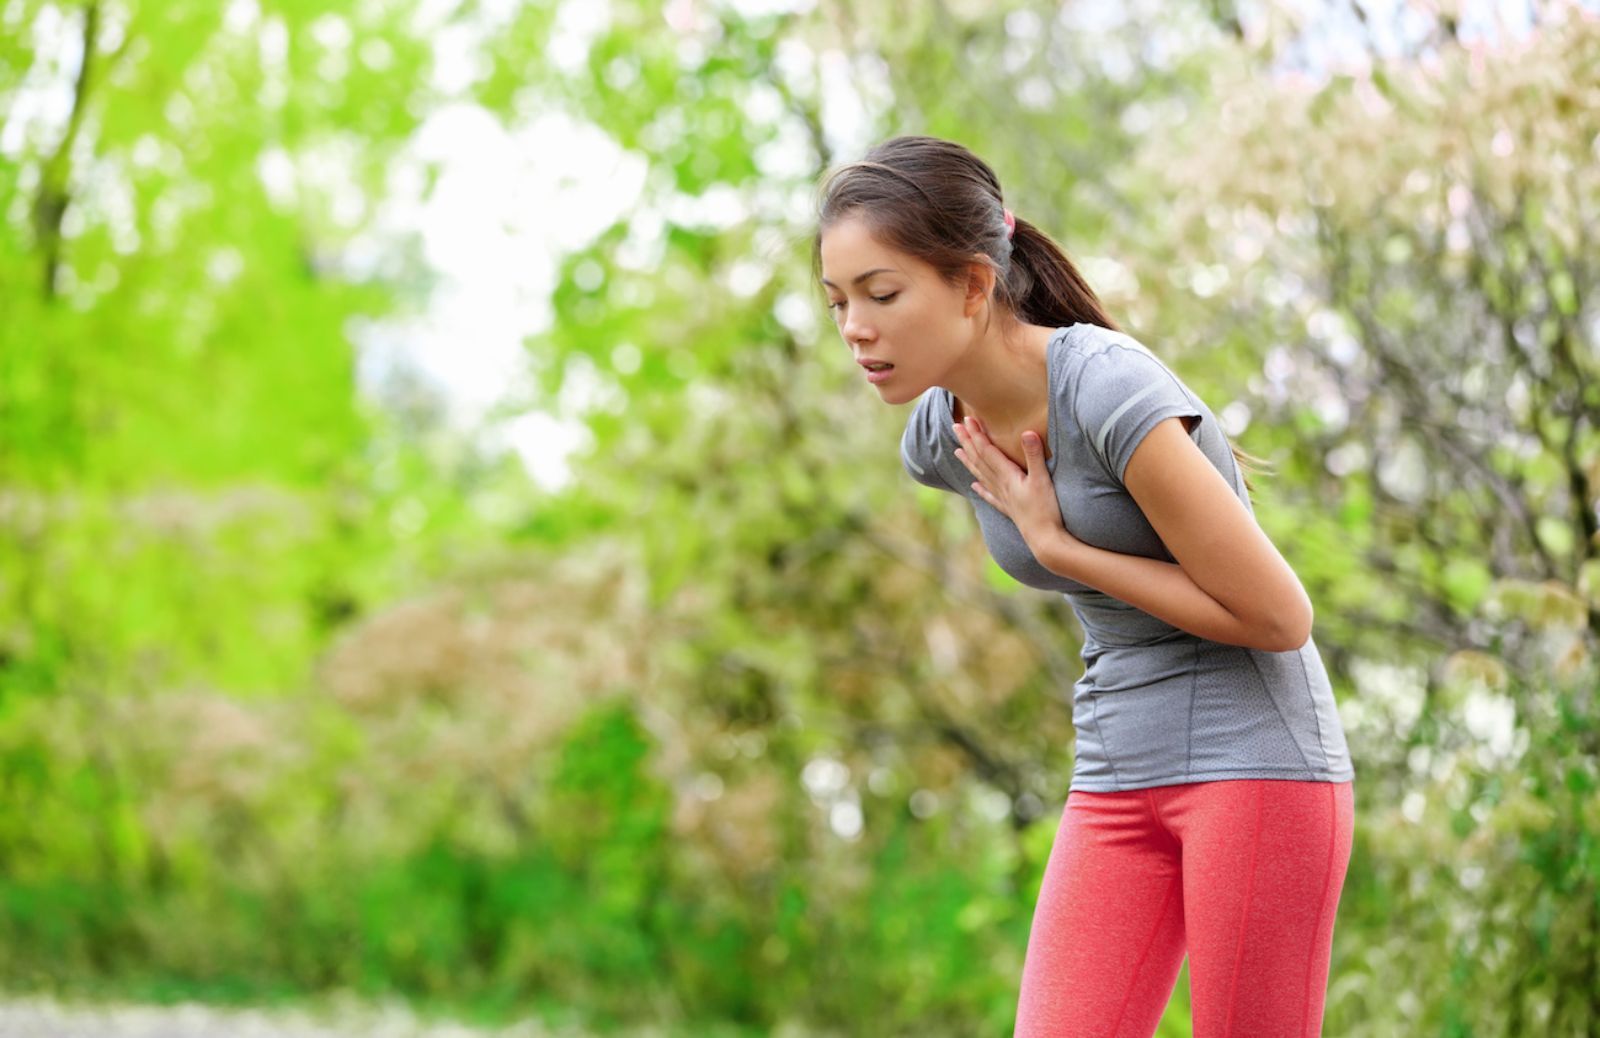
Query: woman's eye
[875, 299]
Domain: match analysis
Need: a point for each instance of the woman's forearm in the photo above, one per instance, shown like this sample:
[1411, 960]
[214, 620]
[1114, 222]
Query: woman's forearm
[1161, 589]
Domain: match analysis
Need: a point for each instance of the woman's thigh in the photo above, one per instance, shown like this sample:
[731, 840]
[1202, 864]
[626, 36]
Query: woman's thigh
[1107, 940]
[1264, 862]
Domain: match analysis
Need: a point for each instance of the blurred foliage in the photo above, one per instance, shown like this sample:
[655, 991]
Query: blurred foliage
[299, 691]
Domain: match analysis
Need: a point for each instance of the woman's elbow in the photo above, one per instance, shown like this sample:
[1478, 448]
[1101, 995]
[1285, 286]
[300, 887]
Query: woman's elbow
[1290, 630]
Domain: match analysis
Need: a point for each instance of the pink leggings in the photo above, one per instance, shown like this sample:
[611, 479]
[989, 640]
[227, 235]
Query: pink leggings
[1242, 874]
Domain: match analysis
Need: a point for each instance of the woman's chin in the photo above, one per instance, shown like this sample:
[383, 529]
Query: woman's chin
[892, 389]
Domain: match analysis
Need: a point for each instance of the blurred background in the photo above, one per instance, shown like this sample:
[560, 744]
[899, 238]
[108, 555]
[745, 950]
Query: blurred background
[448, 555]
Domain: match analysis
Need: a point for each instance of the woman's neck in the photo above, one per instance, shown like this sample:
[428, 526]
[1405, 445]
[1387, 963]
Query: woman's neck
[1002, 380]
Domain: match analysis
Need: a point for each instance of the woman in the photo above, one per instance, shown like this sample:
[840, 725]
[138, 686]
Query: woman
[1212, 797]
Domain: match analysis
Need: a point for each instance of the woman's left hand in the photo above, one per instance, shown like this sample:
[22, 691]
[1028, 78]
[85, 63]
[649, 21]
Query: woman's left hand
[1026, 496]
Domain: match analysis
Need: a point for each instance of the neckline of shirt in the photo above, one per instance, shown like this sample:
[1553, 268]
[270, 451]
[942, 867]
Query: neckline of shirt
[947, 426]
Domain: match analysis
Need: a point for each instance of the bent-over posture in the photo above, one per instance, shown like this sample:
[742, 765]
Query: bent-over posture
[1212, 794]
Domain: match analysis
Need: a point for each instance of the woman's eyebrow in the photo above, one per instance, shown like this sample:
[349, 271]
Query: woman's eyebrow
[862, 277]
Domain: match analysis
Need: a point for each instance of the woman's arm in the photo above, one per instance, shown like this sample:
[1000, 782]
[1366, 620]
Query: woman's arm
[1161, 589]
[1229, 583]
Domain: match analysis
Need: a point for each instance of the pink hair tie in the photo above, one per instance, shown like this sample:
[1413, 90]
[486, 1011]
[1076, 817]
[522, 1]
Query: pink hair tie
[1011, 224]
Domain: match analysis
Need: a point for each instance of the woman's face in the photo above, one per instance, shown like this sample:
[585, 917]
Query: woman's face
[892, 307]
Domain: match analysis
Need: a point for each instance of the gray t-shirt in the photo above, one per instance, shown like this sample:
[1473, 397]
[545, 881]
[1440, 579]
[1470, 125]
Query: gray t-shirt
[1156, 705]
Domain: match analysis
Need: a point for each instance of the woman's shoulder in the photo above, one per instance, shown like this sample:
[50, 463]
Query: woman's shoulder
[922, 449]
[1107, 346]
[1102, 362]
[923, 417]
[1115, 390]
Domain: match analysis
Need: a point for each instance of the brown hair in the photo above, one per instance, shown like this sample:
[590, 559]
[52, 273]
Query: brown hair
[936, 200]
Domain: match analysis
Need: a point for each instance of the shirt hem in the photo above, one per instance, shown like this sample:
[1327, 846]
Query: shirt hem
[1288, 774]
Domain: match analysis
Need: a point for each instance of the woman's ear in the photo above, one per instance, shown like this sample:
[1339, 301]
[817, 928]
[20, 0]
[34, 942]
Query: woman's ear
[980, 283]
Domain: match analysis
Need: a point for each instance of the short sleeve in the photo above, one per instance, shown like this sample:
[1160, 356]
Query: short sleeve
[921, 450]
[1123, 392]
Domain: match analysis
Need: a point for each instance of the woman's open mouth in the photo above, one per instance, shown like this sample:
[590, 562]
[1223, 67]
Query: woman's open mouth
[879, 372]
